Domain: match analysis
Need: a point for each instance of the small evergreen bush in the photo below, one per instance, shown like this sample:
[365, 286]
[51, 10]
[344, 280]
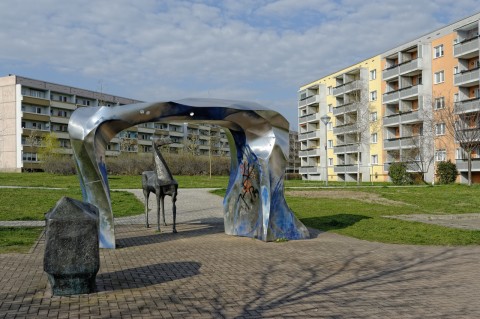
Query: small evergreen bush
[399, 175]
[446, 172]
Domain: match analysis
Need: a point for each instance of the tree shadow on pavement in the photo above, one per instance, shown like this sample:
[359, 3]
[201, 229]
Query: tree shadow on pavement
[146, 275]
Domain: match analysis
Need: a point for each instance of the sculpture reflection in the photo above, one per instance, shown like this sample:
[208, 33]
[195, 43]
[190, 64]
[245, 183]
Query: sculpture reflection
[254, 204]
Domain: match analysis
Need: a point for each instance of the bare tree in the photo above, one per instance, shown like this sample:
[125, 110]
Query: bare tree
[364, 120]
[421, 155]
[191, 144]
[463, 126]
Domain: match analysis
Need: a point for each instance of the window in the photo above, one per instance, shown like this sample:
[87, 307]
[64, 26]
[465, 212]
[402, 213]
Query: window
[330, 143]
[330, 90]
[330, 108]
[330, 161]
[455, 70]
[373, 96]
[373, 74]
[29, 157]
[440, 155]
[438, 51]
[374, 138]
[439, 77]
[374, 116]
[455, 97]
[374, 159]
[440, 129]
[439, 103]
[330, 126]
[38, 110]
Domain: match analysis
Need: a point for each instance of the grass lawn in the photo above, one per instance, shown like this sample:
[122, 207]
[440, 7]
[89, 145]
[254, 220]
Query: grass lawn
[357, 212]
[115, 182]
[18, 240]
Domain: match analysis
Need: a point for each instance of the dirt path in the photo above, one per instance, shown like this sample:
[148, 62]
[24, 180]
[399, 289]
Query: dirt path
[345, 194]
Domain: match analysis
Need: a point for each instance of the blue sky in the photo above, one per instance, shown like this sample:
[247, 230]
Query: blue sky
[255, 50]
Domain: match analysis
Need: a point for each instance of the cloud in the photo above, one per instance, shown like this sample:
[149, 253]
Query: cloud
[257, 50]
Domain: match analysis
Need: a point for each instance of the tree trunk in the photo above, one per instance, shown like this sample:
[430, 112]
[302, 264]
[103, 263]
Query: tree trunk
[469, 168]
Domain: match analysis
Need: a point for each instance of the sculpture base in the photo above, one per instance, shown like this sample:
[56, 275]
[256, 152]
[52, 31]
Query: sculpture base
[72, 284]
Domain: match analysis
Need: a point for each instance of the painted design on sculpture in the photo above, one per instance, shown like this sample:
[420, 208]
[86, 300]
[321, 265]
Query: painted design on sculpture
[254, 204]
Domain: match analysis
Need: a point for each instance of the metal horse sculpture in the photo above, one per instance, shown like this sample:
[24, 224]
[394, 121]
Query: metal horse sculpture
[161, 183]
[254, 203]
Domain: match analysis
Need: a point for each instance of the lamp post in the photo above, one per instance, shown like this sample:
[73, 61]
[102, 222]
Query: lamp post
[325, 119]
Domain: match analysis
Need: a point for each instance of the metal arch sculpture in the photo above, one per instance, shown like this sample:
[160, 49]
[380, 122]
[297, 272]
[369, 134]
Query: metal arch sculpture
[254, 204]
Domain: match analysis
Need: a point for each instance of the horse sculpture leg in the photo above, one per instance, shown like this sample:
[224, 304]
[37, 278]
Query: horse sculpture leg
[159, 202]
[163, 211]
[174, 208]
[146, 194]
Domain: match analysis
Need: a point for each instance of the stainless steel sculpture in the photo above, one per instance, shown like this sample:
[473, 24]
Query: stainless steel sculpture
[254, 204]
[161, 183]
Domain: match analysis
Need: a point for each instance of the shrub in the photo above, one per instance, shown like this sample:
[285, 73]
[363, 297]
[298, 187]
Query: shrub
[446, 172]
[398, 174]
[59, 164]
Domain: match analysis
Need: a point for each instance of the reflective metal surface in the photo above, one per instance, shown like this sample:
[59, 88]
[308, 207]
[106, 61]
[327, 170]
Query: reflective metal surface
[254, 205]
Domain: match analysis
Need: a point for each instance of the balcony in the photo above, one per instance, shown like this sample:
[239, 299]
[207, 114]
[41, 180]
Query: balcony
[392, 96]
[466, 49]
[342, 129]
[345, 108]
[468, 135]
[310, 170]
[313, 99]
[352, 148]
[462, 165]
[410, 67]
[311, 152]
[397, 119]
[315, 117]
[401, 94]
[409, 92]
[467, 78]
[345, 169]
[309, 135]
[405, 68]
[402, 142]
[466, 106]
[347, 87]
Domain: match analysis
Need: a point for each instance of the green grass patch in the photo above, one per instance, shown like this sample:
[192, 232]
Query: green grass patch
[18, 240]
[114, 181]
[362, 218]
[32, 204]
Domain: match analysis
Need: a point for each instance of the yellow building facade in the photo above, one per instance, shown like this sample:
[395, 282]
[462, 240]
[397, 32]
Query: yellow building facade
[391, 108]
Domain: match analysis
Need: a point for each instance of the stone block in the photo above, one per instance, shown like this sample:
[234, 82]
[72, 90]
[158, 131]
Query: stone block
[71, 247]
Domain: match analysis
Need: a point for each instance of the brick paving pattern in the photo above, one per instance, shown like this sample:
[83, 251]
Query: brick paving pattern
[202, 273]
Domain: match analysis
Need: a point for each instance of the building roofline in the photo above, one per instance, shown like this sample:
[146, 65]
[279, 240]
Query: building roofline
[428, 36]
[62, 88]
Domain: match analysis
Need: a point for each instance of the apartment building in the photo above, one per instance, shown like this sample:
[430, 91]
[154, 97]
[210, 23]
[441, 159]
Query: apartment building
[30, 109]
[387, 109]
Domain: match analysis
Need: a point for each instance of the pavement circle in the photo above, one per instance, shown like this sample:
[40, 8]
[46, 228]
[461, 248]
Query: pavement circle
[202, 273]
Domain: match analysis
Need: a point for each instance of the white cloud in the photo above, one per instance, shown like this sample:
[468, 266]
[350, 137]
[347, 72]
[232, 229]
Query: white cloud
[255, 50]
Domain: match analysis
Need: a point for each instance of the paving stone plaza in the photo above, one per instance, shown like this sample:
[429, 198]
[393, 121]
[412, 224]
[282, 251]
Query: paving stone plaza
[202, 273]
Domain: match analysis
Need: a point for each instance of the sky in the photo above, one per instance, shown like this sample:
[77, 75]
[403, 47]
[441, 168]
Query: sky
[253, 50]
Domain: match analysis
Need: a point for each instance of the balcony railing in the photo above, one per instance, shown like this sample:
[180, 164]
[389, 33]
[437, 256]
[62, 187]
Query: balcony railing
[402, 142]
[309, 118]
[467, 77]
[345, 108]
[309, 100]
[309, 169]
[344, 129]
[403, 93]
[309, 135]
[353, 148]
[465, 47]
[347, 87]
[311, 152]
[472, 105]
[402, 69]
[462, 164]
[346, 169]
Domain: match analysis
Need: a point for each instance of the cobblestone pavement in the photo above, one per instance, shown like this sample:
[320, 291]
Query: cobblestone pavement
[202, 273]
